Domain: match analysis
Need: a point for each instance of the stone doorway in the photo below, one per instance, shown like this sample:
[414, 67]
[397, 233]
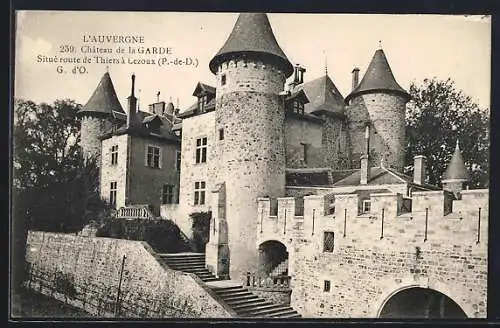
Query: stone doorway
[273, 258]
[420, 302]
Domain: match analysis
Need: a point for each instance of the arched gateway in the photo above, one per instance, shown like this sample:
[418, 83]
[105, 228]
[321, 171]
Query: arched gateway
[418, 302]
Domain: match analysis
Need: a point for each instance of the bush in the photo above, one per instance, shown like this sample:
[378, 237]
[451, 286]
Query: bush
[161, 235]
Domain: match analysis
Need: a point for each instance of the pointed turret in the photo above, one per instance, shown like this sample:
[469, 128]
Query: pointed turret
[378, 77]
[456, 174]
[253, 36]
[104, 99]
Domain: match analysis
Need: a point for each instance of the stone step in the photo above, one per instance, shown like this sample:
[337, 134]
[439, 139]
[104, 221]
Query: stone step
[271, 311]
[221, 289]
[184, 258]
[192, 269]
[226, 292]
[233, 299]
[288, 316]
[209, 279]
[184, 263]
[260, 307]
[235, 293]
[249, 304]
[278, 313]
[188, 267]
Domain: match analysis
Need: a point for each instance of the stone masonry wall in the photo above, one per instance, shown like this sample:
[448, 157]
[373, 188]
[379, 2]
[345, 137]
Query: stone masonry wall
[251, 158]
[369, 265]
[117, 172]
[193, 128]
[335, 147]
[386, 114]
[298, 132]
[91, 130]
[98, 261]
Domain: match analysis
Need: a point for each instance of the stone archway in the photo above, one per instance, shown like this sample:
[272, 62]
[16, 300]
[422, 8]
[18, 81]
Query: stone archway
[273, 258]
[418, 302]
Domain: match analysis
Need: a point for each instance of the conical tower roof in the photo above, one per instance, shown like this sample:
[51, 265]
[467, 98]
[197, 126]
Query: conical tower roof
[378, 77]
[323, 95]
[252, 34]
[104, 99]
[456, 169]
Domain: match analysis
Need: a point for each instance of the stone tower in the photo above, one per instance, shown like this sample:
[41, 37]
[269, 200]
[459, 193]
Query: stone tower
[455, 176]
[97, 116]
[251, 70]
[376, 110]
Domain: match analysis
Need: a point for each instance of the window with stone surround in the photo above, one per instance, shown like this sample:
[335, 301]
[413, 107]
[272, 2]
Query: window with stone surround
[202, 103]
[201, 150]
[113, 188]
[298, 107]
[367, 205]
[223, 79]
[199, 193]
[304, 152]
[167, 194]
[178, 160]
[153, 156]
[328, 241]
[326, 286]
[114, 155]
[221, 134]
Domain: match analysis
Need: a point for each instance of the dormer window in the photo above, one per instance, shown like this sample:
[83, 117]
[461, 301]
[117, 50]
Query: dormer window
[298, 107]
[202, 103]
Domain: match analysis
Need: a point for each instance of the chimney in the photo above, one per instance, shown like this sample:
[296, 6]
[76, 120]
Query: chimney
[365, 169]
[419, 169]
[355, 77]
[302, 70]
[132, 104]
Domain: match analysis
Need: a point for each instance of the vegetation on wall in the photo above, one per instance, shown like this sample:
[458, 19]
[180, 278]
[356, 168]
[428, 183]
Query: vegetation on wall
[161, 235]
[201, 229]
[437, 116]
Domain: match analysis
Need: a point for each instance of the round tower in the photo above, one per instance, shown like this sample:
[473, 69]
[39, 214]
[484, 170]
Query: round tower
[251, 70]
[377, 107]
[97, 115]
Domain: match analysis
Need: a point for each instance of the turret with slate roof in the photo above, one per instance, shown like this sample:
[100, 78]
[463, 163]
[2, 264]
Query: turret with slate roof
[455, 176]
[251, 70]
[376, 106]
[98, 115]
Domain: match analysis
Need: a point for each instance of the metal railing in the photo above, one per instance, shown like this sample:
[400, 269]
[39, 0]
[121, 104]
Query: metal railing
[135, 212]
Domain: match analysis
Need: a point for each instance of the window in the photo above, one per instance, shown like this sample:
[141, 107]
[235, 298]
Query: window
[178, 160]
[331, 206]
[367, 204]
[304, 152]
[202, 102]
[326, 285]
[221, 134]
[167, 194]
[199, 193]
[201, 150]
[298, 107]
[328, 241]
[114, 155]
[153, 157]
[112, 193]
[223, 79]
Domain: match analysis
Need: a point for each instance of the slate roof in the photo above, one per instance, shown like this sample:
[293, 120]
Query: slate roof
[323, 95]
[203, 87]
[104, 99]
[193, 109]
[252, 34]
[456, 168]
[378, 77]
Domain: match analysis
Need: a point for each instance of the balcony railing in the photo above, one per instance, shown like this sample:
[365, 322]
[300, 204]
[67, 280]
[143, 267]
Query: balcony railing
[135, 212]
[267, 282]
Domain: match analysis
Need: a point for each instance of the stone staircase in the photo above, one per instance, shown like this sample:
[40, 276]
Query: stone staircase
[247, 304]
[280, 269]
[240, 299]
[189, 262]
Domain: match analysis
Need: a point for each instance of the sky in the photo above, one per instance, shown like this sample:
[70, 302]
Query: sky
[417, 47]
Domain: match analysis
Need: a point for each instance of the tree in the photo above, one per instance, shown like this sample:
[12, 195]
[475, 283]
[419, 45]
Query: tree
[437, 116]
[53, 188]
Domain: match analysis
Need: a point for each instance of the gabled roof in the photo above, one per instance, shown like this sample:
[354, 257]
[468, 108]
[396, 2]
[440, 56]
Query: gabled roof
[300, 95]
[378, 77]
[456, 168]
[252, 34]
[193, 109]
[323, 95]
[202, 87]
[104, 99]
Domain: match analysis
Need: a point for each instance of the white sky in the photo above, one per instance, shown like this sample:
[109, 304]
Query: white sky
[417, 47]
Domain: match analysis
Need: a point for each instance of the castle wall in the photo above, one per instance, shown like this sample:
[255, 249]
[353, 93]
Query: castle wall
[193, 128]
[116, 172]
[91, 129]
[335, 147]
[93, 267]
[297, 192]
[298, 132]
[251, 158]
[373, 258]
[386, 114]
[146, 183]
